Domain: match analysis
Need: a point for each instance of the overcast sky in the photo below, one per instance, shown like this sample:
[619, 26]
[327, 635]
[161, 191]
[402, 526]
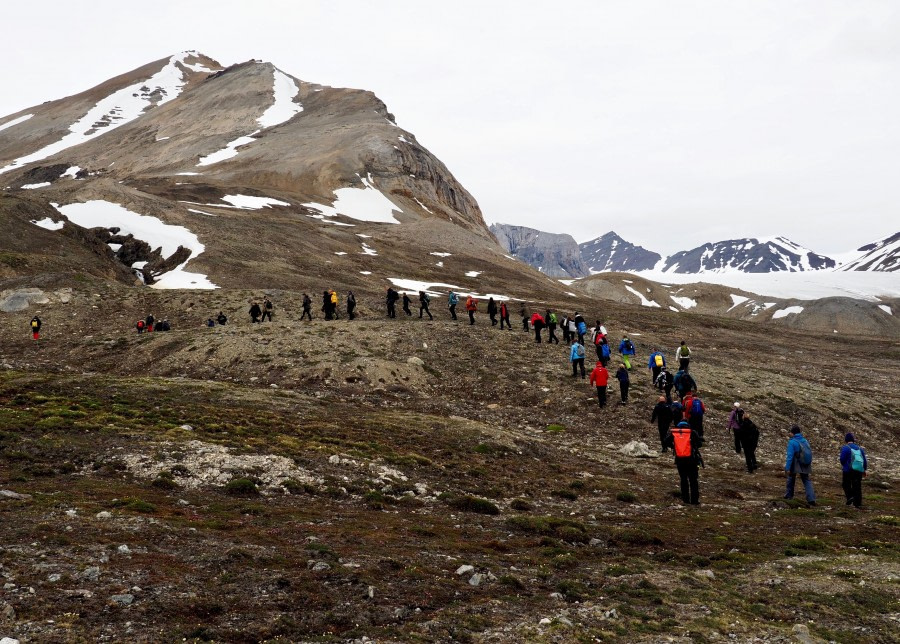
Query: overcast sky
[672, 123]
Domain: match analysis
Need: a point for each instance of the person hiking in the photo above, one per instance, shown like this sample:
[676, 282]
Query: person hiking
[149, 322]
[798, 462]
[603, 351]
[351, 305]
[686, 445]
[221, 318]
[537, 322]
[164, 325]
[599, 378]
[406, 303]
[492, 311]
[853, 465]
[734, 424]
[694, 411]
[564, 325]
[664, 382]
[576, 357]
[424, 300]
[677, 412]
[655, 364]
[683, 353]
[471, 308]
[624, 381]
[391, 299]
[684, 383]
[626, 349]
[139, 326]
[307, 308]
[267, 308]
[333, 300]
[580, 327]
[749, 437]
[662, 414]
[524, 313]
[598, 333]
[504, 316]
[210, 322]
[326, 304]
[552, 321]
[35, 326]
[452, 301]
[255, 312]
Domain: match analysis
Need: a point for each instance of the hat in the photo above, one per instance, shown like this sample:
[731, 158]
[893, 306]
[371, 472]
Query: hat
[795, 429]
[850, 438]
[737, 404]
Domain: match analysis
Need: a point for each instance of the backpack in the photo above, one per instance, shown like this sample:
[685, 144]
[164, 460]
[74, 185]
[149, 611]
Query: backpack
[682, 441]
[604, 350]
[804, 454]
[34, 324]
[553, 319]
[268, 305]
[629, 346]
[140, 324]
[658, 360]
[579, 350]
[685, 352]
[696, 407]
[857, 461]
[454, 300]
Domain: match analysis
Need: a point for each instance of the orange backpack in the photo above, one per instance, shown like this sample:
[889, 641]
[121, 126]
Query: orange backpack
[682, 437]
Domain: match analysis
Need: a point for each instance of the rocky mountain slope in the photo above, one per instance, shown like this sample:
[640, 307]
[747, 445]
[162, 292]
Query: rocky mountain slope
[553, 255]
[612, 253]
[747, 255]
[882, 255]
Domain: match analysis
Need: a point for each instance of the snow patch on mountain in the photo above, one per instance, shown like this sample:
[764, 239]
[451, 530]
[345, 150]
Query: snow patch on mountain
[783, 313]
[48, 224]
[882, 256]
[684, 302]
[644, 300]
[247, 202]
[362, 204]
[229, 151]
[16, 121]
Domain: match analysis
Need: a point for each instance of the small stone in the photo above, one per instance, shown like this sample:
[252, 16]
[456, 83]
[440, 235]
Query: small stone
[254, 378]
[7, 613]
[182, 502]
[319, 566]
[801, 632]
[8, 640]
[370, 593]
[8, 586]
[545, 621]
[708, 574]
[476, 579]
[123, 600]
[15, 496]
[612, 613]
[186, 428]
[273, 386]
[91, 573]
[104, 515]
[124, 550]
[79, 593]
[55, 577]
[415, 361]
[595, 542]
[565, 621]
[464, 570]
[71, 513]
[557, 596]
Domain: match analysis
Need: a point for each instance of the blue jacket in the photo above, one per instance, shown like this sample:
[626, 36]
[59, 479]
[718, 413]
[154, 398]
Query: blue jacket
[624, 351]
[652, 362]
[622, 375]
[573, 354]
[452, 299]
[792, 464]
[847, 457]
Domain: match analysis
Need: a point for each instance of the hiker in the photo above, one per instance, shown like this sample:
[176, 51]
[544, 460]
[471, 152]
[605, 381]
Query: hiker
[677, 412]
[149, 322]
[307, 308]
[391, 299]
[580, 327]
[139, 326]
[599, 378]
[333, 299]
[694, 410]
[164, 325]
[492, 311]
[423, 305]
[504, 316]
[624, 381]
[552, 321]
[662, 414]
[326, 304]
[471, 308]
[209, 322]
[537, 321]
[524, 313]
[351, 305]
[603, 350]
[664, 382]
[564, 325]
[626, 349]
[255, 312]
[686, 445]
[221, 318]
[35, 326]
[749, 439]
[576, 357]
[655, 364]
[406, 303]
[683, 353]
[598, 333]
[798, 461]
[854, 466]
[452, 301]
[734, 424]
[267, 309]
[684, 383]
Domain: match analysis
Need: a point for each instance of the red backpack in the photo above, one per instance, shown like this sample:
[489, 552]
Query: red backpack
[682, 437]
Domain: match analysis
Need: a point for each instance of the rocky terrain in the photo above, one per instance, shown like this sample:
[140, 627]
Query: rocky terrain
[553, 255]
[612, 253]
[423, 480]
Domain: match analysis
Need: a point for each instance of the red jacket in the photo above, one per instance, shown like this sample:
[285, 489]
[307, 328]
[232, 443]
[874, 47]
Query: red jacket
[537, 318]
[599, 376]
[471, 304]
[503, 310]
[688, 401]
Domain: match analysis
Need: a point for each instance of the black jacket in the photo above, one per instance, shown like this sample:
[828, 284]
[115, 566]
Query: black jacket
[662, 414]
[749, 434]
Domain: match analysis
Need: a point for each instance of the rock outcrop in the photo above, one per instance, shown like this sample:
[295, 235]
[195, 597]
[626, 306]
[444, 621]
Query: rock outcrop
[554, 255]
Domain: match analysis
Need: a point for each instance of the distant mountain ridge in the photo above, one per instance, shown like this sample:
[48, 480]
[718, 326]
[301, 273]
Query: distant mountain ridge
[882, 255]
[749, 256]
[553, 254]
[612, 253]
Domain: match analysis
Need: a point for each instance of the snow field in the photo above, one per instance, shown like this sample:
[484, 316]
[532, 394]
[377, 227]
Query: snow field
[783, 313]
[362, 204]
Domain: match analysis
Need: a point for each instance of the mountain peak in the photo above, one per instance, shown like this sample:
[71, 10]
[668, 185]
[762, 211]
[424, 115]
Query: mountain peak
[612, 253]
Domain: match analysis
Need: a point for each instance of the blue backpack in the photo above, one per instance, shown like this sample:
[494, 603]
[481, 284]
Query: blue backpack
[604, 350]
[857, 461]
[696, 407]
[804, 454]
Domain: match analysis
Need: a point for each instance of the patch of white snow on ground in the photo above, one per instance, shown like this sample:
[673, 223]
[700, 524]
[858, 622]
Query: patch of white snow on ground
[197, 67]
[474, 273]
[644, 300]
[340, 252]
[365, 272]
[188, 174]
[48, 224]
[628, 281]
[34, 186]
[166, 237]
[21, 119]
[162, 138]
[325, 220]
[368, 250]
[200, 212]
[566, 282]
[71, 172]
[769, 305]
[684, 302]
[414, 286]
[115, 110]
[247, 202]
[424, 207]
[440, 254]
[229, 151]
[737, 300]
[364, 236]
[886, 309]
[571, 294]
[791, 310]
[284, 107]
[363, 204]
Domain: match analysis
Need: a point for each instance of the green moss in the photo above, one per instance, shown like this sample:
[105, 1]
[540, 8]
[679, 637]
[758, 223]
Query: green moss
[468, 503]
[241, 487]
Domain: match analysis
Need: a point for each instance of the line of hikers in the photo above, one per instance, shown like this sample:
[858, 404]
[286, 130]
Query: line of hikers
[151, 324]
